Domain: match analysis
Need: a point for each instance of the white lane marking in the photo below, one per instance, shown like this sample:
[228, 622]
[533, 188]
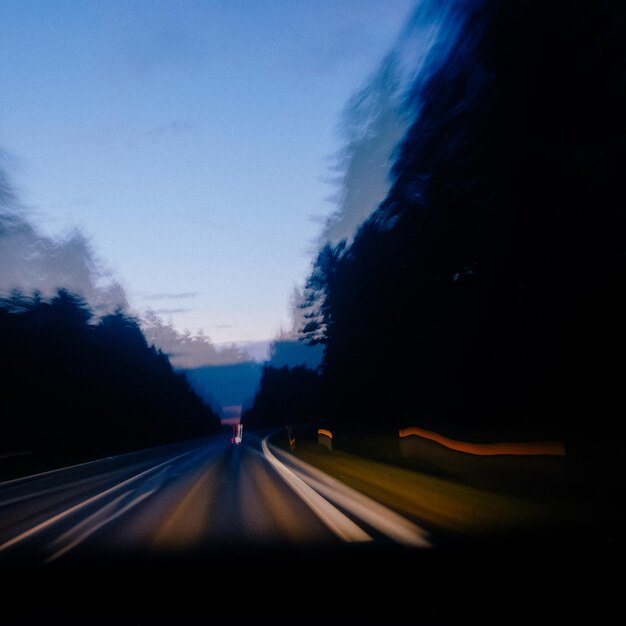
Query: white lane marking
[55, 489]
[94, 517]
[373, 513]
[152, 483]
[52, 520]
[333, 518]
[54, 471]
[70, 467]
[62, 487]
[104, 522]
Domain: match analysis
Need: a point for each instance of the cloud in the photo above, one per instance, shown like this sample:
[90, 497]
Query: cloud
[31, 261]
[342, 46]
[183, 295]
[175, 128]
[171, 311]
[79, 201]
[166, 45]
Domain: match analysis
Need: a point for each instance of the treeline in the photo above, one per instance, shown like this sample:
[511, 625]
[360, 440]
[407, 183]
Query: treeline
[286, 396]
[75, 387]
[485, 293]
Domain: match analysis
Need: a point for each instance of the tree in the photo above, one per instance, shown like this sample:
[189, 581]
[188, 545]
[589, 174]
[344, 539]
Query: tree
[286, 396]
[316, 304]
[80, 387]
[481, 294]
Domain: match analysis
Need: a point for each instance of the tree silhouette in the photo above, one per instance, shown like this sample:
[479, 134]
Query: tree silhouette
[79, 387]
[286, 396]
[483, 296]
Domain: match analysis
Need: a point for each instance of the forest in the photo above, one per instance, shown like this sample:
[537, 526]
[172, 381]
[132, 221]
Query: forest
[484, 293]
[76, 387]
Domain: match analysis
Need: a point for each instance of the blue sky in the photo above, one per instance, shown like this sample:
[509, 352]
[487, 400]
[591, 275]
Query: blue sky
[190, 141]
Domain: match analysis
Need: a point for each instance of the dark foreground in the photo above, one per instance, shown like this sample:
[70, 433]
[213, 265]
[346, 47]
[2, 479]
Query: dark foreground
[382, 585]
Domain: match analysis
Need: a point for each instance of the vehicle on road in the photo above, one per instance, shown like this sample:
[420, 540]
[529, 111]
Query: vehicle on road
[237, 434]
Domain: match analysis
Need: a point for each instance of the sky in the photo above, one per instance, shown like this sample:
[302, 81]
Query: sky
[191, 142]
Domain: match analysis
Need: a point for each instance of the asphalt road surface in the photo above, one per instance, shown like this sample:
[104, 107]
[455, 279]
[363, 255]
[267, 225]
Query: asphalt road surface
[184, 497]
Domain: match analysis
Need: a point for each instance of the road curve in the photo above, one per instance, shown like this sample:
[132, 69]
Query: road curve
[182, 497]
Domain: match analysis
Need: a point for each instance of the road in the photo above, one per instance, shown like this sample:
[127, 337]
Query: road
[211, 532]
[185, 497]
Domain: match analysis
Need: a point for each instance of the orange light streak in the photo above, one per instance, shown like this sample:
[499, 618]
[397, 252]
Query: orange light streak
[531, 448]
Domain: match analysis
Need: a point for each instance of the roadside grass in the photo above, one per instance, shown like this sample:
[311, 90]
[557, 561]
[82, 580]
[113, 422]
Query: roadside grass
[519, 475]
[445, 491]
